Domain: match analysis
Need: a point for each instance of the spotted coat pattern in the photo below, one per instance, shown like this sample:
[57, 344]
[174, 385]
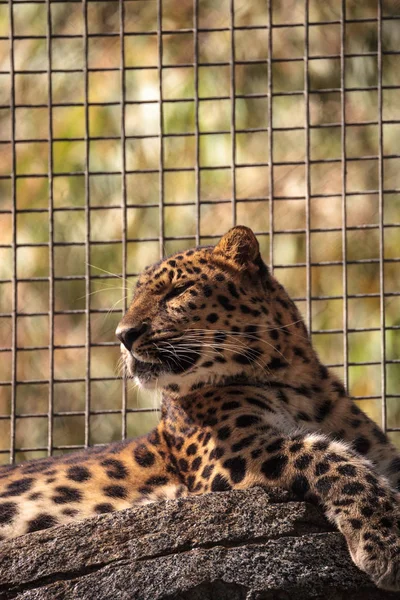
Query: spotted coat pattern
[246, 401]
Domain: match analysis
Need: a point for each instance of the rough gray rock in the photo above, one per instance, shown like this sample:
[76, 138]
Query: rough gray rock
[239, 545]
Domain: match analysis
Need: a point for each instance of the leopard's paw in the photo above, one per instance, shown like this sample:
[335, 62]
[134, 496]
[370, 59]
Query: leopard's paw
[378, 555]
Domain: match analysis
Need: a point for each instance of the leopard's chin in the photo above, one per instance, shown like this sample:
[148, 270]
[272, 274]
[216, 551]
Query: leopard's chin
[146, 384]
[145, 373]
[151, 375]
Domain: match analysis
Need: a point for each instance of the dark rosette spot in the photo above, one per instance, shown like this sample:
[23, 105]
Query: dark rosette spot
[275, 466]
[349, 470]
[115, 491]
[236, 467]
[321, 468]
[42, 521]
[67, 494]
[220, 484]
[247, 420]
[8, 510]
[362, 445]
[115, 469]
[18, 487]
[103, 508]
[143, 456]
[303, 462]
[79, 474]
[300, 486]
[353, 488]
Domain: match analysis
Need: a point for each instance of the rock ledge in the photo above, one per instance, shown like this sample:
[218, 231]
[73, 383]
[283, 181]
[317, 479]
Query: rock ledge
[239, 545]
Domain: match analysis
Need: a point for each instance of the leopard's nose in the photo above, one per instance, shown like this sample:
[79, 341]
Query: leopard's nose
[128, 335]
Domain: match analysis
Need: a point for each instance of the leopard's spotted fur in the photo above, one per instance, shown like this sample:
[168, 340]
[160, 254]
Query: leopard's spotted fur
[245, 401]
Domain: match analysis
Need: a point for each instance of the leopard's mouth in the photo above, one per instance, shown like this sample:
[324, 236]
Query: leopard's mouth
[168, 360]
[146, 370]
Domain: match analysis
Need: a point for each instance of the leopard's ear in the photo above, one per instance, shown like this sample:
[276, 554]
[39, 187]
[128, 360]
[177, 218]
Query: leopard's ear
[240, 245]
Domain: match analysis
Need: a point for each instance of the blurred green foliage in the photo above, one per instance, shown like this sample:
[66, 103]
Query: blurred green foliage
[70, 154]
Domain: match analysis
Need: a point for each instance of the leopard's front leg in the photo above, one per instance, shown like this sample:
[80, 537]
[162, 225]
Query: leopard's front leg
[348, 422]
[358, 501]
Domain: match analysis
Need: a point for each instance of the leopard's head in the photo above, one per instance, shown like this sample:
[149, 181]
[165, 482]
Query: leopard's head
[209, 314]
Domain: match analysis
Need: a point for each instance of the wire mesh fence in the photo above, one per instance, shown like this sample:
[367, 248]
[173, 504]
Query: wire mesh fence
[132, 129]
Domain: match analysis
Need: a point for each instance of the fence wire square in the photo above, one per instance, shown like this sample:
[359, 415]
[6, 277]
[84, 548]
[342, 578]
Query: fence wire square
[130, 129]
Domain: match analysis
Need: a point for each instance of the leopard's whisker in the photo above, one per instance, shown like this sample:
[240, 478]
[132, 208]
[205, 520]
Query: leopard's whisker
[105, 289]
[248, 336]
[231, 348]
[107, 272]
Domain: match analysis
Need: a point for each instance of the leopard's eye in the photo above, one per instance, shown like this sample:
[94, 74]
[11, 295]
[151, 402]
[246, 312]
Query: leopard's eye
[177, 291]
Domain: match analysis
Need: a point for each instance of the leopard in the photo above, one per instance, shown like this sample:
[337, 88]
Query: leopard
[246, 401]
